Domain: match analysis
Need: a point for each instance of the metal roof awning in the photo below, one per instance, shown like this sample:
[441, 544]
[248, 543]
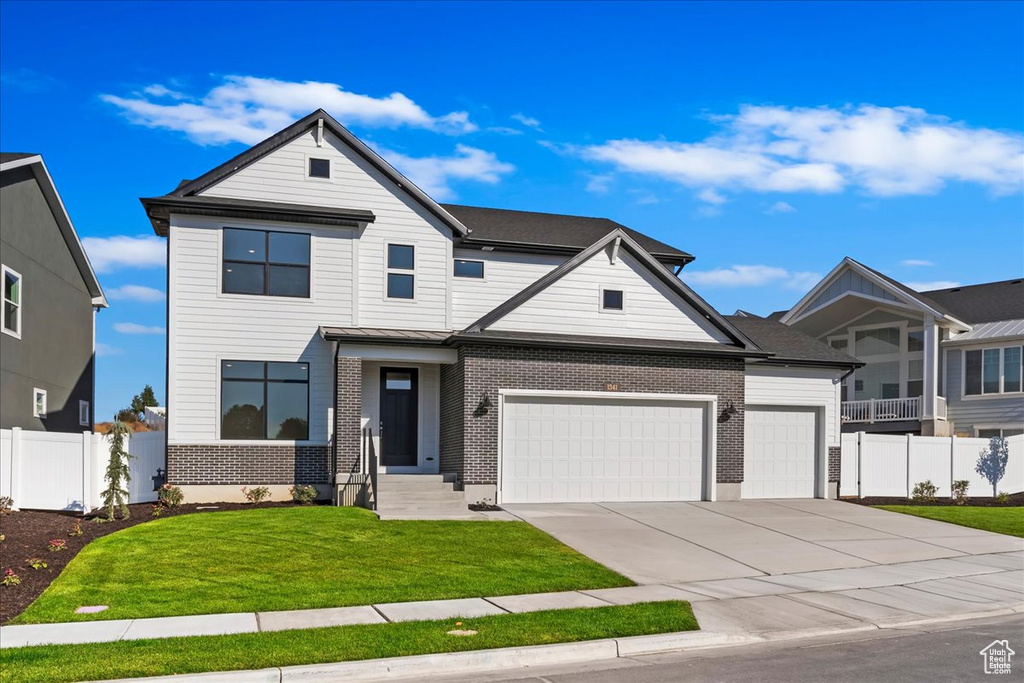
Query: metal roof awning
[374, 335]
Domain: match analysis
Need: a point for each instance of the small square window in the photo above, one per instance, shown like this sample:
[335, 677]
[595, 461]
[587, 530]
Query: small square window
[611, 300]
[474, 269]
[400, 286]
[401, 256]
[319, 168]
[83, 414]
[39, 403]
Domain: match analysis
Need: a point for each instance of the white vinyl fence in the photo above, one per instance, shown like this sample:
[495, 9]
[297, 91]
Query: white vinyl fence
[54, 471]
[884, 465]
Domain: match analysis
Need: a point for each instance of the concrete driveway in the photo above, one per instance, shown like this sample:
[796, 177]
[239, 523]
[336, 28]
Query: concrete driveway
[660, 543]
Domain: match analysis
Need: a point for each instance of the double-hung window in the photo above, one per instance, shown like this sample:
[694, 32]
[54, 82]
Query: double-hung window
[264, 400]
[266, 262]
[401, 271]
[993, 371]
[12, 303]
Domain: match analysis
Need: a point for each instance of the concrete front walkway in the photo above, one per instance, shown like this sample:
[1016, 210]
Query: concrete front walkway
[767, 607]
[668, 543]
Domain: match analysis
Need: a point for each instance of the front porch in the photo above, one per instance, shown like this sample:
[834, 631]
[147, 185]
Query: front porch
[894, 414]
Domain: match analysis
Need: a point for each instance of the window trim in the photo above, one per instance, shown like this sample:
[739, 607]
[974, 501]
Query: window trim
[388, 270]
[36, 394]
[483, 269]
[964, 396]
[267, 264]
[309, 167]
[600, 300]
[21, 304]
[84, 421]
[1001, 426]
[264, 381]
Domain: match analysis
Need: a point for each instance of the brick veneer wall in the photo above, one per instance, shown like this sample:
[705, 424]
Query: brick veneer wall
[834, 458]
[452, 415]
[348, 410]
[485, 369]
[257, 464]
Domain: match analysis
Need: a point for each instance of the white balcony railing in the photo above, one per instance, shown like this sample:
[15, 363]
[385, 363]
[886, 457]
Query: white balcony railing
[882, 410]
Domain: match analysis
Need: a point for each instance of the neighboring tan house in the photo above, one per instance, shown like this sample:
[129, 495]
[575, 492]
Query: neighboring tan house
[50, 295]
[940, 362]
[326, 318]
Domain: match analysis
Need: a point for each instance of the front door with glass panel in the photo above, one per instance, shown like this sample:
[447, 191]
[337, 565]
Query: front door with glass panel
[399, 413]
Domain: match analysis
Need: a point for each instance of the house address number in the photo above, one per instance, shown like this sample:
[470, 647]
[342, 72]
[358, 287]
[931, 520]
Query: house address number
[611, 386]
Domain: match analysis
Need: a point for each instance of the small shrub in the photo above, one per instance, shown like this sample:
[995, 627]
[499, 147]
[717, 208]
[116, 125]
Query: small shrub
[37, 563]
[76, 528]
[171, 495]
[1003, 497]
[303, 494]
[10, 578]
[6, 503]
[924, 492]
[158, 509]
[959, 489]
[56, 545]
[256, 495]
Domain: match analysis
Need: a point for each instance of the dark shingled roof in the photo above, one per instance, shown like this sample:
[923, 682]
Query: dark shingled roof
[529, 228]
[983, 303]
[14, 156]
[790, 345]
[606, 343]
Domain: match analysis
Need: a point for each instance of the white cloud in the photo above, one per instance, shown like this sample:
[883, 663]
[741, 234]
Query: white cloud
[527, 121]
[107, 350]
[928, 286]
[248, 109]
[711, 196]
[135, 328]
[109, 253]
[882, 151]
[780, 207]
[916, 263]
[751, 276]
[599, 183]
[432, 174]
[140, 293]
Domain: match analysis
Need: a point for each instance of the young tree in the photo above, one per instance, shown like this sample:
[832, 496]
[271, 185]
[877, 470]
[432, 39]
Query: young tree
[992, 461]
[144, 400]
[118, 472]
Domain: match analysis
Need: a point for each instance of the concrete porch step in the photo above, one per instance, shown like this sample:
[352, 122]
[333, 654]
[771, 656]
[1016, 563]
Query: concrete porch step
[410, 478]
[459, 517]
[422, 496]
[447, 507]
[414, 486]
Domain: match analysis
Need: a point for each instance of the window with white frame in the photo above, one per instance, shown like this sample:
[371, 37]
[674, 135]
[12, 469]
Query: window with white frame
[39, 403]
[83, 414]
[401, 267]
[612, 300]
[468, 268]
[1003, 432]
[12, 302]
[993, 371]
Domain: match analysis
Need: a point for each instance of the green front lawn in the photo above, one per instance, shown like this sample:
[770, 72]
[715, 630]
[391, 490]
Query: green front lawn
[129, 659]
[1001, 520]
[302, 558]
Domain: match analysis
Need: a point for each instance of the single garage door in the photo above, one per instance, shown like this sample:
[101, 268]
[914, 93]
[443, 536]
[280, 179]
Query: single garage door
[779, 453]
[574, 449]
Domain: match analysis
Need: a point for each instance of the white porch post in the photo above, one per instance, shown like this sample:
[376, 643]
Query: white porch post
[931, 368]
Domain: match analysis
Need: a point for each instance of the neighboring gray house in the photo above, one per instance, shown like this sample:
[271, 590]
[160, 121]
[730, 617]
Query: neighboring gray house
[50, 295]
[322, 310]
[939, 362]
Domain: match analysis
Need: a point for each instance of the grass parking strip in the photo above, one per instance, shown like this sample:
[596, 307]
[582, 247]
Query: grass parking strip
[179, 656]
[1000, 520]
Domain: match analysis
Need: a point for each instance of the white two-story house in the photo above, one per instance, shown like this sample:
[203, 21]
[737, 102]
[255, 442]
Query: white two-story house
[939, 362]
[329, 323]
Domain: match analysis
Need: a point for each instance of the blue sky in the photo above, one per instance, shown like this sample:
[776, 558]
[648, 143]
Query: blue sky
[768, 139]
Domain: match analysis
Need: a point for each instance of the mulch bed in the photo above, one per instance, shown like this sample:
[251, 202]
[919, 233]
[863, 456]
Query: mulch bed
[1016, 500]
[28, 534]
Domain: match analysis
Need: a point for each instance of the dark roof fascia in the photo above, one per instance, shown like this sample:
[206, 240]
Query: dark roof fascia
[804, 362]
[159, 210]
[558, 249]
[293, 131]
[647, 259]
[580, 342]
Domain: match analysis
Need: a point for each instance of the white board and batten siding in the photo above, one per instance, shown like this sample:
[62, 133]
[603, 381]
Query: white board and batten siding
[572, 305]
[505, 275]
[775, 385]
[281, 176]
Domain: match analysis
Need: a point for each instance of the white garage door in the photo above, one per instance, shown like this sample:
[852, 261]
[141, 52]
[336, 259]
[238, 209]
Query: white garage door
[573, 449]
[780, 445]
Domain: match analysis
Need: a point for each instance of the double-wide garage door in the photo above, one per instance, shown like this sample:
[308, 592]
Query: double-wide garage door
[780, 452]
[576, 449]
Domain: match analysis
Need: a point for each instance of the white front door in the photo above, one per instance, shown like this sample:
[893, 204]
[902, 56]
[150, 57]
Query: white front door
[779, 452]
[593, 449]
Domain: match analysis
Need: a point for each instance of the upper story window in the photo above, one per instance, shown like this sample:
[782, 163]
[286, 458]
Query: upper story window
[319, 168]
[878, 342]
[12, 303]
[39, 403]
[266, 262]
[473, 269]
[839, 343]
[612, 299]
[83, 414]
[401, 266]
[915, 340]
[264, 400]
[993, 371]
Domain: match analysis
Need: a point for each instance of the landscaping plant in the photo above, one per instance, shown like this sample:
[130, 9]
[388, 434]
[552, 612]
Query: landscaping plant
[118, 472]
[992, 461]
[171, 495]
[959, 491]
[256, 495]
[10, 578]
[6, 503]
[76, 528]
[924, 492]
[303, 494]
[1003, 497]
[56, 545]
[37, 563]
